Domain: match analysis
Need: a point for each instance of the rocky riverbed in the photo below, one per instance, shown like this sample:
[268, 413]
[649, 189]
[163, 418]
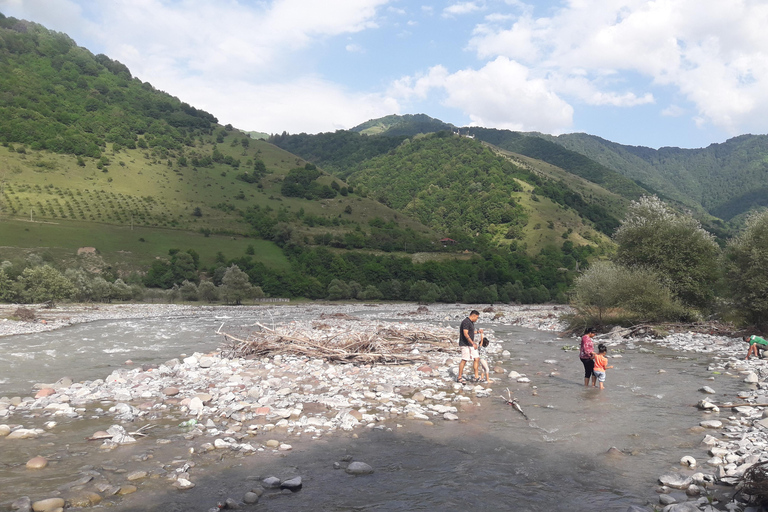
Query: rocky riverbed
[735, 433]
[176, 419]
[244, 407]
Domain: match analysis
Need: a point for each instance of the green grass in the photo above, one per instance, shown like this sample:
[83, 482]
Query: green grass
[120, 246]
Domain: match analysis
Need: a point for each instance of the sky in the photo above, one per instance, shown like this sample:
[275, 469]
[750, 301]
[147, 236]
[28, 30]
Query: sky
[685, 73]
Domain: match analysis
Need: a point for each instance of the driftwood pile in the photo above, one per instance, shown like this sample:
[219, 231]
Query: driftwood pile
[363, 345]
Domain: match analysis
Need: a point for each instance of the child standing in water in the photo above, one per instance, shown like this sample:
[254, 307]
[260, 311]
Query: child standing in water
[485, 374]
[601, 363]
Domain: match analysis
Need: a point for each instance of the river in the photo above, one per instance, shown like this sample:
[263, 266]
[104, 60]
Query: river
[493, 458]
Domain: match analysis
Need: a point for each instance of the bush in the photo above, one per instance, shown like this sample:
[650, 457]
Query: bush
[634, 293]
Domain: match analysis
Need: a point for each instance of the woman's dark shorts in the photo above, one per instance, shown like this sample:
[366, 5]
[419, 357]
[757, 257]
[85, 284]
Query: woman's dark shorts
[589, 366]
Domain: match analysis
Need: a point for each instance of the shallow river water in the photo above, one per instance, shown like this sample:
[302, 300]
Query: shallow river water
[492, 459]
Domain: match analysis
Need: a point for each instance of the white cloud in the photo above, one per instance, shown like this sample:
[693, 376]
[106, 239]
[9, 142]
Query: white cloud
[501, 94]
[308, 104]
[354, 48]
[713, 52]
[461, 8]
[673, 111]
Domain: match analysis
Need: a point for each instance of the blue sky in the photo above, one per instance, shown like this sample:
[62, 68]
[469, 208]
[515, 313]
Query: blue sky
[657, 73]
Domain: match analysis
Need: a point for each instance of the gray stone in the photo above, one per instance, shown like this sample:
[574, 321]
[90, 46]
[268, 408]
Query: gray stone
[23, 504]
[711, 423]
[676, 481]
[250, 498]
[271, 482]
[708, 390]
[688, 506]
[294, 484]
[359, 468]
[751, 378]
[231, 504]
[666, 499]
[206, 362]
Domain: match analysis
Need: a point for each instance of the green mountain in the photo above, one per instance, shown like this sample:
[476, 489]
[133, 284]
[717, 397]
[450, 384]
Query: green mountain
[397, 125]
[726, 179]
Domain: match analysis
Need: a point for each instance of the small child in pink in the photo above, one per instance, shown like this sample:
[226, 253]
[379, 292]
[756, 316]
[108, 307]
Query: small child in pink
[601, 363]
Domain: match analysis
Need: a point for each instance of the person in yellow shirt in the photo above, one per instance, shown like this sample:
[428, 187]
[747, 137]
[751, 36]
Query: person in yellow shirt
[601, 363]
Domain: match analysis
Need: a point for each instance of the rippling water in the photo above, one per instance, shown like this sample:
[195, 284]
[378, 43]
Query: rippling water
[493, 459]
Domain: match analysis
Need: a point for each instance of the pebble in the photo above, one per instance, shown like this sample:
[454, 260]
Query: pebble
[359, 468]
[294, 484]
[271, 482]
[48, 505]
[250, 498]
[37, 462]
[136, 475]
[711, 423]
[127, 489]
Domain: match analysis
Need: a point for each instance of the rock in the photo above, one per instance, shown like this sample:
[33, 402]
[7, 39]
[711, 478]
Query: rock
[666, 499]
[513, 375]
[425, 369]
[45, 392]
[127, 489]
[195, 405]
[293, 485]
[708, 441]
[449, 416]
[614, 452]
[250, 498]
[171, 391]
[83, 499]
[688, 506]
[272, 443]
[221, 444]
[498, 370]
[284, 447]
[206, 362]
[230, 504]
[48, 505]
[271, 482]
[136, 475]
[688, 461]
[62, 383]
[37, 462]
[23, 504]
[708, 390]
[675, 481]
[4, 430]
[693, 490]
[711, 423]
[183, 484]
[706, 405]
[419, 396]
[523, 380]
[359, 468]
[22, 433]
[751, 378]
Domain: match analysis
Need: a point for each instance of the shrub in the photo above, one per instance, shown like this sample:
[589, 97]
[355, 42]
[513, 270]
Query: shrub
[637, 293]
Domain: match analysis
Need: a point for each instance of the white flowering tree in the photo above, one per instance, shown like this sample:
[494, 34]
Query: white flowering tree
[674, 245]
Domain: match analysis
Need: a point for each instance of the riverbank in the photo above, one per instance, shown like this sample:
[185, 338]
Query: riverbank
[735, 432]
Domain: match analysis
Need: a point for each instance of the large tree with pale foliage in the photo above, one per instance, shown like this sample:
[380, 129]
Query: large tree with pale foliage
[674, 245]
[746, 261]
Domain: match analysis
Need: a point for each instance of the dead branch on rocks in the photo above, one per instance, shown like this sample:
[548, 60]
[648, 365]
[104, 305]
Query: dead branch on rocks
[754, 483]
[378, 345]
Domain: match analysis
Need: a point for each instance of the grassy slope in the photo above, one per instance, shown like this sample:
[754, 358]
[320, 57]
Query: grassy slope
[122, 246]
[40, 180]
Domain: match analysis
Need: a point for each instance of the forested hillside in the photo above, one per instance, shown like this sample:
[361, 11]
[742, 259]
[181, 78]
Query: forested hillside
[725, 179]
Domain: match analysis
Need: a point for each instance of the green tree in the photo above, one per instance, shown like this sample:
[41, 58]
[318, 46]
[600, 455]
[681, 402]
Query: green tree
[44, 283]
[235, 285]
[746, 261]
[7, 291]
[674, 245]
[207, 291]
[189, 291]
